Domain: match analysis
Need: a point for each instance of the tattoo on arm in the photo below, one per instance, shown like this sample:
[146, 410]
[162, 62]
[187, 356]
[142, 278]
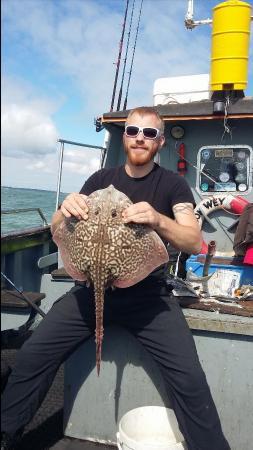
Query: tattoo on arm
[185, 208]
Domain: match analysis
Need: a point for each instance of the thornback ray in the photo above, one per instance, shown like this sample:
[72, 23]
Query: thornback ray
[105, 251]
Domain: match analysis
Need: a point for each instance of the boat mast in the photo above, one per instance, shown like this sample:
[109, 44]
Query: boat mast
[119, 57]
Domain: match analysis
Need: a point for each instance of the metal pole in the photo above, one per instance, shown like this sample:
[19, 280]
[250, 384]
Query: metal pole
[30, 303]
[79, 144]
[190, 23]
[59, 176]
[189, 14]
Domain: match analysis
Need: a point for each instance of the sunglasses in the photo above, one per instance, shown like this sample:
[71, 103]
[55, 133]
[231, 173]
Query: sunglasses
[148, 132]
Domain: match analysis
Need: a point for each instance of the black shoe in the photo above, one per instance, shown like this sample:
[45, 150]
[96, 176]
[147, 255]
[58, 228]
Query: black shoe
[10, 442]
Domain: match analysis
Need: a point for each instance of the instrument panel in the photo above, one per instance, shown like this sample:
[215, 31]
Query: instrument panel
[225, 168]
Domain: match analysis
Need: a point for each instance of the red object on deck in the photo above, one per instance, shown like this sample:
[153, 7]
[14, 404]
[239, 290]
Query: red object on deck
[238, 204]
[181, 164]
[248, 258]
[204, 248]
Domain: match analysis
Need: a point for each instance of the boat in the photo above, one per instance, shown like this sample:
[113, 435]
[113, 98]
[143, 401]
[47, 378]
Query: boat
[209, 141]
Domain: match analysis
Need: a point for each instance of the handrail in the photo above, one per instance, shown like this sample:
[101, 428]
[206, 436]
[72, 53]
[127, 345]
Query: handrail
[79, 144]
[21, 210]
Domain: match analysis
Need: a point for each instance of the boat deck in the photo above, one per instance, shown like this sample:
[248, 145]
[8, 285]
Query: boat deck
[45, 431]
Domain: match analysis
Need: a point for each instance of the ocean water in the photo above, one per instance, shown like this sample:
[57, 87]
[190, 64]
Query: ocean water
[19, 198]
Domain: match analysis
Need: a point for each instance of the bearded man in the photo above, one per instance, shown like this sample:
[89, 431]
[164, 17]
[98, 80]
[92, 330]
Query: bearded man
[164, 201]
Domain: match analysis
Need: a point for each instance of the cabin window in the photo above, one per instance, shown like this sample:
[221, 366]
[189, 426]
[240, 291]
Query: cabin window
[224, 168]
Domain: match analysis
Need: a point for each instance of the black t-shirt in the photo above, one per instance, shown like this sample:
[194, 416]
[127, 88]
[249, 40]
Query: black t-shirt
[161, 188]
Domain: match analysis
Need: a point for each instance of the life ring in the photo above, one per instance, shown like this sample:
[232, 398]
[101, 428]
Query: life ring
[229, 202]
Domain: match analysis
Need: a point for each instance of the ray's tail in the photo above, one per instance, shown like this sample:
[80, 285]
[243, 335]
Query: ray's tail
[99, 299]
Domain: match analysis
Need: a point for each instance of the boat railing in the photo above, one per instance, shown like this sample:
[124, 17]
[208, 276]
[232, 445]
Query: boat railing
[24, 210]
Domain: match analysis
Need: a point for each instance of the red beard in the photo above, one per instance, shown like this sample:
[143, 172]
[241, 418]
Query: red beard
[139, 158]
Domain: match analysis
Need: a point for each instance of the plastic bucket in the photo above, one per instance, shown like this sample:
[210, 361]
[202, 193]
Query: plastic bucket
[150, 428]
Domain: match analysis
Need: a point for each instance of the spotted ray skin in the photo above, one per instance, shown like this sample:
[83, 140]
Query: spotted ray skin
[106, 252]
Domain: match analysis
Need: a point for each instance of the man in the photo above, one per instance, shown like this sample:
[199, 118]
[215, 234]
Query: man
[164, 201]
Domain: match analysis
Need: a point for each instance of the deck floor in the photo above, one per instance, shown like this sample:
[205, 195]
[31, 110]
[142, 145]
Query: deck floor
[45, 431]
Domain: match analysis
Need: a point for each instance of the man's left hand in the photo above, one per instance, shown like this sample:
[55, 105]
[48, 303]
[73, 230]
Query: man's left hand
[141, 212]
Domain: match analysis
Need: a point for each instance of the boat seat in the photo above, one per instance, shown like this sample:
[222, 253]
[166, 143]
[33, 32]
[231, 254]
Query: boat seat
[47, 260]
[13, 299]
[61, 274]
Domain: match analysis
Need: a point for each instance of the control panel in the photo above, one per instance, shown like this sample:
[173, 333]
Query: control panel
[224, 168]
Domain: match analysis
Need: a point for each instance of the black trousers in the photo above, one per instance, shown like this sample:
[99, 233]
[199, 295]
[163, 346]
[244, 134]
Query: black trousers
[155, 319]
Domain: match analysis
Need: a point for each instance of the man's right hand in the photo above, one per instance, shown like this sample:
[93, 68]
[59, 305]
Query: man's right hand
[75, 205]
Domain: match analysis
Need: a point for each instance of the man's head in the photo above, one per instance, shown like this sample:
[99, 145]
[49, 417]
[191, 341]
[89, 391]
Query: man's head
[144, 135]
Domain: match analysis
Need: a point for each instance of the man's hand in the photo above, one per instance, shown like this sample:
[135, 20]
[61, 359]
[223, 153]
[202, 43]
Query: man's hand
[142, 212]
[75, 205]
[183, 232]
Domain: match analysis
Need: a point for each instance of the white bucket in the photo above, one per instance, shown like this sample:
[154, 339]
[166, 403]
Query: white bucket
[150, 428]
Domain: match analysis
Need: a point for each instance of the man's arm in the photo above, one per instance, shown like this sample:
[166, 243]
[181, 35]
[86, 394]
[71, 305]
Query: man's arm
[73, 205]
[182, 233]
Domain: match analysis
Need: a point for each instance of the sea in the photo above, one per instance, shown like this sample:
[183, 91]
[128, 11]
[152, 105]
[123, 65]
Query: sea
[20, 198]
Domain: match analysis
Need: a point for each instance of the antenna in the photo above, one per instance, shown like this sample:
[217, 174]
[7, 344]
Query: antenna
[119, 57]
[189, 22]
[125, 60]
[189, 15]
[131, 68]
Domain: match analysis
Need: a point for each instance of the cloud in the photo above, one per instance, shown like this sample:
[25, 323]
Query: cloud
[82, 161]
[39, 165]
[27, 124]
[84, 169]
[29, 140]
[34, 133]
[74, 38]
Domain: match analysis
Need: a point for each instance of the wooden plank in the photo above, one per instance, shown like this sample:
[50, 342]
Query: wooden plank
[12, 299]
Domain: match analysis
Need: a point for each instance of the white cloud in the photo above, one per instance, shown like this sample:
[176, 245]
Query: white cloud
[41, 165]
[84, 169]
[25, 130]
[80, 39]
[82, 161]
[27, 124]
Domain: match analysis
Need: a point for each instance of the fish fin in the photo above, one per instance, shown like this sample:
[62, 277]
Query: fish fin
[65, 236]
[149, 253]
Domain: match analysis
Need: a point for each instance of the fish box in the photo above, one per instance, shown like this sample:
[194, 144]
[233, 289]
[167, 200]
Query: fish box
[230, 271]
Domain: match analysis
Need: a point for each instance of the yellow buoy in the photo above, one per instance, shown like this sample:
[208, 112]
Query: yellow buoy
[230, 46]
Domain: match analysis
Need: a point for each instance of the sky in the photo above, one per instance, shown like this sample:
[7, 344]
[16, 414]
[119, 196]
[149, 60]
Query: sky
[58, 69]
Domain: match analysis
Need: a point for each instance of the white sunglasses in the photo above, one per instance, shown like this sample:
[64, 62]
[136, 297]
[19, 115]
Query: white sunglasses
[148, 132]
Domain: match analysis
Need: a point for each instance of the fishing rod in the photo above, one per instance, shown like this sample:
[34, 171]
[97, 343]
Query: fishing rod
[125, 60]
[33, 305]
[119, 57]
[131, 67]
